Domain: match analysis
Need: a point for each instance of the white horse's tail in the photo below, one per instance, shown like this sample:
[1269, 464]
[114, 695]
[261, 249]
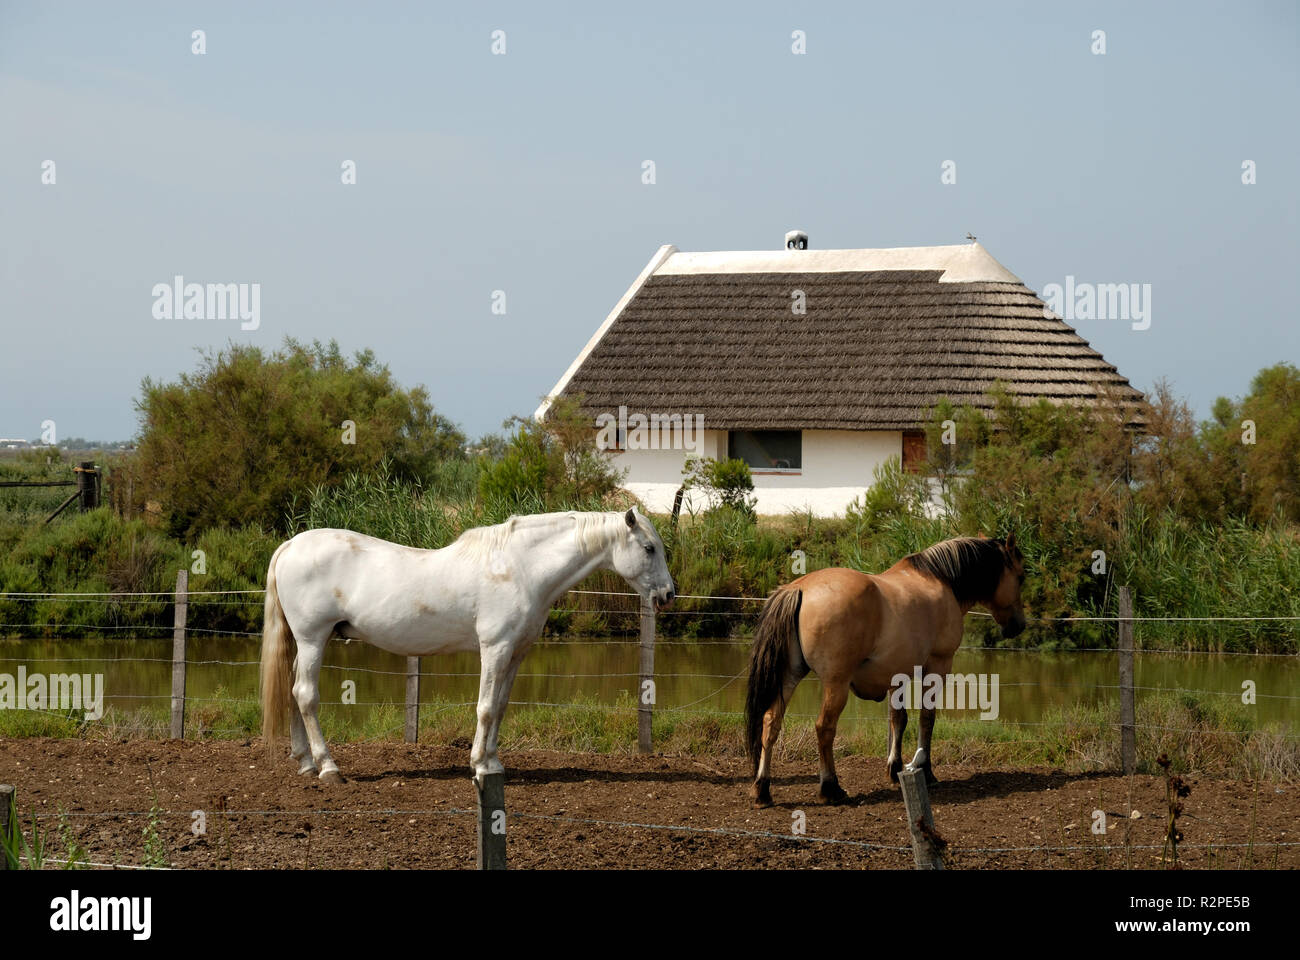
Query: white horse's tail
[278, 649]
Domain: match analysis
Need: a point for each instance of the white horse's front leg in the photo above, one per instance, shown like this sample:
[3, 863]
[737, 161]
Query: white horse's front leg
[497, 677]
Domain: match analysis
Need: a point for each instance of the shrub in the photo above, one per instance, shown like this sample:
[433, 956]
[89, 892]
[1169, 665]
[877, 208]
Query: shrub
[893, 494]
[550, 462]
[231, 443]
[728, 484]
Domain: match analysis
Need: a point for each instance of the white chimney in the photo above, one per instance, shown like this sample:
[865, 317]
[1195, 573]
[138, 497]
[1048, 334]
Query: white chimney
[796, 240]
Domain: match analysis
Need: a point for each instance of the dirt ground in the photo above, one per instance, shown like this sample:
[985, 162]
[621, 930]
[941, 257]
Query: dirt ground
[412, 806]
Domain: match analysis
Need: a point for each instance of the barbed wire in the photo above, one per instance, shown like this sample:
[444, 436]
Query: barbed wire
[723, 831]
[844, 717]
[346, 668]
[215, 634]
[631, 708]
[114, 595]
[92, 863]
[188, 814]
[607, 640]
[1136, 650]
[126, 593]
[1130, 846]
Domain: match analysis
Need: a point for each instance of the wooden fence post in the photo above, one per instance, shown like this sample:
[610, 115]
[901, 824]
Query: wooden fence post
[920, 822]
[492, 822]
[412, 699]
[8, 802]
[178, 656]
[87, 484]
[646, 690]
[1127, 709]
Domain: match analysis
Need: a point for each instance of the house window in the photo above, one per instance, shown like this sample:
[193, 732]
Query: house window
[914, 451]
[767, 451]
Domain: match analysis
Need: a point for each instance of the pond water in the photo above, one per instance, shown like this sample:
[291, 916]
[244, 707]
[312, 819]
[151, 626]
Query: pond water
[703, 675]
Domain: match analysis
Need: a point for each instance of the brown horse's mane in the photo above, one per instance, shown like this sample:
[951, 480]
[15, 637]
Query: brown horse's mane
[971, 566]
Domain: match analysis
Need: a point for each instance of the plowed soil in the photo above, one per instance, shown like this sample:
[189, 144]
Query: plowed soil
[413, 806]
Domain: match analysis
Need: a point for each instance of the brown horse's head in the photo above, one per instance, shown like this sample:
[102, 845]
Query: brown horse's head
[1005, 603]
[980, 571]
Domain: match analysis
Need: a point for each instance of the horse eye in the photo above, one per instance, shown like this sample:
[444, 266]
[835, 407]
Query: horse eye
[649, 548]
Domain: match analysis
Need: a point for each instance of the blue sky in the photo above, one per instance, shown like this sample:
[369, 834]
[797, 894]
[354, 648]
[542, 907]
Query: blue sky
[522, 173]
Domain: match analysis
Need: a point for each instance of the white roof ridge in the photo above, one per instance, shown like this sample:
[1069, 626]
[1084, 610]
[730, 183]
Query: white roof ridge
[960, 263]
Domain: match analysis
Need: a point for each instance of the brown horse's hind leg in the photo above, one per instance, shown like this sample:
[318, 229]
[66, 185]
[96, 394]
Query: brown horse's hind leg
[834, 696]
[897, 724]
[762, 789]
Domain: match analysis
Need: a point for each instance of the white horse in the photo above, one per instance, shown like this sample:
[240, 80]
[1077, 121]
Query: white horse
[490, 591]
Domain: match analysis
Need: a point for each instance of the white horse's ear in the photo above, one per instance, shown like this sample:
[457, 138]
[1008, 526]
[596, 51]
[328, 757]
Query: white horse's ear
[630, 517]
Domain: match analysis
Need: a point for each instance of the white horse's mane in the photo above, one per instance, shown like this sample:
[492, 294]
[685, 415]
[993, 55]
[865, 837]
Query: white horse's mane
[592, 531]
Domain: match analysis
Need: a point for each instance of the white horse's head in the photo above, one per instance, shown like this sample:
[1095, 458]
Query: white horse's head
[638, 556]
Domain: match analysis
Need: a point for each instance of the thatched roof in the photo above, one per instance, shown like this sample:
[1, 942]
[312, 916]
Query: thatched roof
[886, 334]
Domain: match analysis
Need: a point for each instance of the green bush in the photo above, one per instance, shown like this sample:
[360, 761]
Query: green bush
[728, 484]
[549, 463]
[98, 551]
[527, 469]
[894, 494]
[233, 442]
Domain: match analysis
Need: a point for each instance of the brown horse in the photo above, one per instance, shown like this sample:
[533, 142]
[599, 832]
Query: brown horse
[858, 631]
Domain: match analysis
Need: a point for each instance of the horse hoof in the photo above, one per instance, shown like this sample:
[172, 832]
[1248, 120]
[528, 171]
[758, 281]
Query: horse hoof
[894, 769]
[832, 794]
[307, 771]
[331, 776]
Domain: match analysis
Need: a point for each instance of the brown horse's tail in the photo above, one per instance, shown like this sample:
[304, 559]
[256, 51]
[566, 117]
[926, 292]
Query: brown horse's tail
[277, 660]
[769, 662]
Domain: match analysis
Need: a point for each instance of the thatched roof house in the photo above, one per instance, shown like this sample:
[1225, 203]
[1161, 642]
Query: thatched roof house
[815, 365]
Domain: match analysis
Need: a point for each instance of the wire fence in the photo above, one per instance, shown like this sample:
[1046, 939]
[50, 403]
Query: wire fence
[117, 596]
[250, 595]
[955, 851]
[721, 681]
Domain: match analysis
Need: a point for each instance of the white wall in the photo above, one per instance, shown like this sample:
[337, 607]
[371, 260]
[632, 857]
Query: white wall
[837, 466]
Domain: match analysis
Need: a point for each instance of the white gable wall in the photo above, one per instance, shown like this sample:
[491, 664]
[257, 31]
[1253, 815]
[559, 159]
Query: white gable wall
[837, 466]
